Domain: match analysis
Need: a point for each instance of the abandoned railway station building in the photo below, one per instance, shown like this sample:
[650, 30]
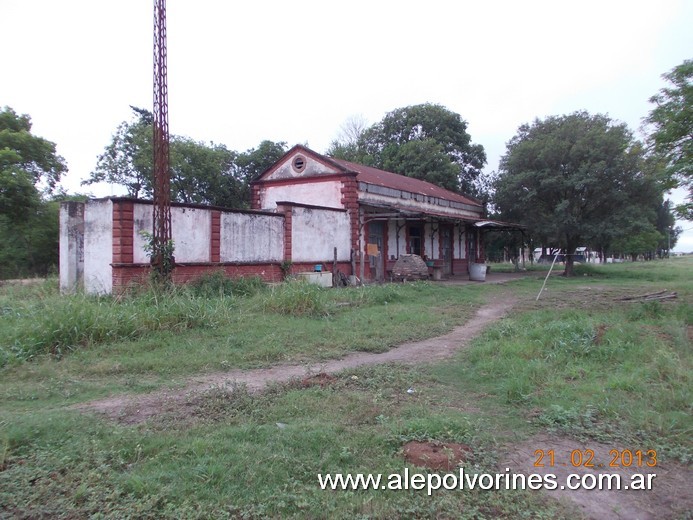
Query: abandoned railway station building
[308, 211]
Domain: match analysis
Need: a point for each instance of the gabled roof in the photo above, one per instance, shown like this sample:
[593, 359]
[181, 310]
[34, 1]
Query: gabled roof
[370, 175]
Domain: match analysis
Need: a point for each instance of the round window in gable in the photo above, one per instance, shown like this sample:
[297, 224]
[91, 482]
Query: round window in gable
[299, 163]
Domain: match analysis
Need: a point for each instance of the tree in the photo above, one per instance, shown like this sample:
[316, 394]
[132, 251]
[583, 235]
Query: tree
[574, 179]
[200, 173]
[672, 130]
[25, 152]
[28, 222]
[346, 145]
[667, 228]
[128, 160]
[425, 141]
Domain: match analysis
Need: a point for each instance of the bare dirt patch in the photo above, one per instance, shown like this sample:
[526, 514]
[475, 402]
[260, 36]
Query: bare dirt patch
[322, 380]
[437, 456]
[670, 496]
[134, 409]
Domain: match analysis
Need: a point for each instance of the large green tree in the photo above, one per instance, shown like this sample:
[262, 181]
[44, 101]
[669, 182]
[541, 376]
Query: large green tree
[426, 141]
[200, 173]
[571, 179]
[30, 168]
[127, 159]
[671, 123]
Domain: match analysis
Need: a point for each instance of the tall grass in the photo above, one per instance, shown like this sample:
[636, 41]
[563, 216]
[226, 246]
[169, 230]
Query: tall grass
[59, 325]
[623, 373]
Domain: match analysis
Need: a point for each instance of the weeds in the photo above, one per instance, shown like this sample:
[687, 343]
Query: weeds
[296, 298]
[218, 285]
[63, 324]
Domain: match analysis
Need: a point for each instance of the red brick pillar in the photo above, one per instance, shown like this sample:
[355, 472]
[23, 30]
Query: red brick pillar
[287, 211]
[255, 202]
[123, 232]
[123, 239]
[350, 201]
[215, 241]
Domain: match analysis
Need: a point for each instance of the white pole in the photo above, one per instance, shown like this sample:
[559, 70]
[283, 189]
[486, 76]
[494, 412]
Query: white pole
[547, 277]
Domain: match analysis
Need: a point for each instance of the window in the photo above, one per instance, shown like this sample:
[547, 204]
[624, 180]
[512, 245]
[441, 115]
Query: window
[299, 163]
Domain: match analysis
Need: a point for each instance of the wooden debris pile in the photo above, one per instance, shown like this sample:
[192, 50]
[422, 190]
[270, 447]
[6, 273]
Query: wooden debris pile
[659, 295]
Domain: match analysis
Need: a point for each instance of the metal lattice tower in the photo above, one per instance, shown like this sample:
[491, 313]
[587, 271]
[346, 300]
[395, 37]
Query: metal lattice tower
[162, 178]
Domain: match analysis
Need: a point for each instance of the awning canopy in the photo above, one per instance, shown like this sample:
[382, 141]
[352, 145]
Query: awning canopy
[384, 211]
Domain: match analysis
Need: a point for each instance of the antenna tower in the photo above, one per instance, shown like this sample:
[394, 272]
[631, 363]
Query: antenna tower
[162, 177]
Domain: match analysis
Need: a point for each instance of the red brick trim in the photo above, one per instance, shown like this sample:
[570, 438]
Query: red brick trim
[255, 198]
[287, 230]
[350, 201]
[327, 177]
[215, 241]
[123, 231]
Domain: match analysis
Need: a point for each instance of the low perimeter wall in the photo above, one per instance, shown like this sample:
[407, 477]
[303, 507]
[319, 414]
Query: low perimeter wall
[102, 242]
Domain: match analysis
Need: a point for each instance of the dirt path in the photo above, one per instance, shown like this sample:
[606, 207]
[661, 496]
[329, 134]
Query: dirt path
[134, 409]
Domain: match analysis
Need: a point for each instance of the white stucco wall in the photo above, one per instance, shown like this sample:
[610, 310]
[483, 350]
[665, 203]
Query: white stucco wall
[327, 193]
[316, 232]
[71, 248]
[98, 246]
[191, 230]
[251, 238]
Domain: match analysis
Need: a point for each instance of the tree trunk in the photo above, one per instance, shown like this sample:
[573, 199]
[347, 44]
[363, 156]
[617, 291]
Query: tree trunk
[571, 246]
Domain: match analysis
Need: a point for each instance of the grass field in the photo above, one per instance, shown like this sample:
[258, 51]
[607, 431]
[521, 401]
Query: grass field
[578, 363]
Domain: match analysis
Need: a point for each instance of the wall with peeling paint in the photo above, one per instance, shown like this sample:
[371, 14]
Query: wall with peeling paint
[315, 232]
[98, 246]
[190, 232]
[323, 193]
[71, 246]
[251, 238]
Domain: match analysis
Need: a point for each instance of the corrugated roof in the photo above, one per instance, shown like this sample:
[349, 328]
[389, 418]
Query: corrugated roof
[386, 179]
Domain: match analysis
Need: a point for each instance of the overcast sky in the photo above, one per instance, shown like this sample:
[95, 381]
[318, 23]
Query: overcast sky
[241, 72]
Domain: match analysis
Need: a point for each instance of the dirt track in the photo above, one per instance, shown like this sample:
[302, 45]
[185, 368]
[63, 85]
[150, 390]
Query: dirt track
[134, 409]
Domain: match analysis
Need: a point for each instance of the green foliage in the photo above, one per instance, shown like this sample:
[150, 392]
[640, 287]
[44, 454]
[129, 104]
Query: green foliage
[426, 141]
[200, 173]
[218, 285]
[672, 130]
[297, 298]
[235, 322]
[81, 322]
[25, 152]
[620, 372]
[574, 179]
[127, 159]
[28, 222]
[161, 256]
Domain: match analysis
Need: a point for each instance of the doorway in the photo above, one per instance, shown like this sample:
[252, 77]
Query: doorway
[446, 248]
[376, 257]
